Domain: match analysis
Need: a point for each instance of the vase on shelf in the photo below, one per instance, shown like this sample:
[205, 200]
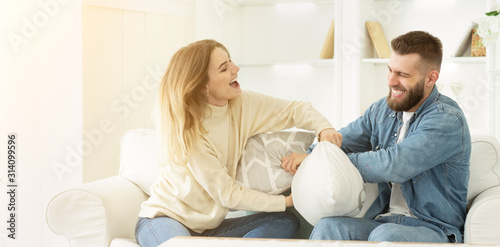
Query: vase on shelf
[457, 87]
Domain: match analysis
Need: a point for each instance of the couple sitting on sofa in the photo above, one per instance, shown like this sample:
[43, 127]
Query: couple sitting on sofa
[415, 144]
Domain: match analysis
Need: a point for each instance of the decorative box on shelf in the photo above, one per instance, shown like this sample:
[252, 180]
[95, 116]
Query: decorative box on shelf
[477, 47]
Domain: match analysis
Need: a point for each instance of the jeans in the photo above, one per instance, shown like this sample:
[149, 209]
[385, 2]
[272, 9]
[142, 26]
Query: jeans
[153, 232]
[397, 228]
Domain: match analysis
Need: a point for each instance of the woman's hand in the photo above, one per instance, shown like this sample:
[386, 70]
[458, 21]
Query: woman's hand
[331, 135]
[289, 201]
[292, 162]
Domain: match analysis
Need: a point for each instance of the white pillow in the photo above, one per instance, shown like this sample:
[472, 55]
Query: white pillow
[140, 157]
[327, 184]
[260, 164]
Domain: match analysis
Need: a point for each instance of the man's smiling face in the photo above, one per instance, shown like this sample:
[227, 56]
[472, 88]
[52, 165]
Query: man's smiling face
[406, 83]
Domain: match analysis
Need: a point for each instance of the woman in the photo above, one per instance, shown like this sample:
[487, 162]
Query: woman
[205, 120]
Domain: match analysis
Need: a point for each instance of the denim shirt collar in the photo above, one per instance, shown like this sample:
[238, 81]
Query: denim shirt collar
[430, 100]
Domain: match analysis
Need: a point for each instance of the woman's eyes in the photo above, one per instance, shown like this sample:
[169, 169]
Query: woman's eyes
[224, 69]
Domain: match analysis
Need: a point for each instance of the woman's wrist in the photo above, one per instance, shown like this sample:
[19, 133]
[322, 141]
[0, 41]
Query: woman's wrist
[321, 132]
[289, 201]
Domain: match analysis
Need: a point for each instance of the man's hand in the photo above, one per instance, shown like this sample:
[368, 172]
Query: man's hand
[292, 162]
[331, 135]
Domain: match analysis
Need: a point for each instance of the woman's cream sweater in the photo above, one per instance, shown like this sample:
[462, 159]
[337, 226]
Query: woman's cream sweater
[200, 193]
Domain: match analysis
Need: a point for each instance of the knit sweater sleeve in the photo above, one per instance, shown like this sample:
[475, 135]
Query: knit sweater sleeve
[208, 171]
[261, 113]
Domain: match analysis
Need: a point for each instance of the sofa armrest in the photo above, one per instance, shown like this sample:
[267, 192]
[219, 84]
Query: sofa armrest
[95, 213]
[481, 224]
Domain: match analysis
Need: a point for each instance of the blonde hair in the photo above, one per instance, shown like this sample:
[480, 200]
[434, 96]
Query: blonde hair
[182, 101]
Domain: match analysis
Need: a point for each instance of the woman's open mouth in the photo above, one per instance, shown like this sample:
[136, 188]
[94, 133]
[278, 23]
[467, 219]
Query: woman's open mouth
[234, 83]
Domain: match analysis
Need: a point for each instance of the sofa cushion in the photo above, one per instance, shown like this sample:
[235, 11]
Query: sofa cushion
[485, 165]
[140, 157]
[327, 184]
[124, 242]
[260, 164]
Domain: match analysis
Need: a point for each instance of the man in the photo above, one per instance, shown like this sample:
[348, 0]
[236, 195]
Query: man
[416, 146]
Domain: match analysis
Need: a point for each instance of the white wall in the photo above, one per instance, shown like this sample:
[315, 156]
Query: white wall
[40, 100]
[126, 48]
[277, 47]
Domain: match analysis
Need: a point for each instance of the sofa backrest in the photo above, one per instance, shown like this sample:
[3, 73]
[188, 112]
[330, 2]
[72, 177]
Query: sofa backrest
[259, 167]
[139, 161]
[484, 165]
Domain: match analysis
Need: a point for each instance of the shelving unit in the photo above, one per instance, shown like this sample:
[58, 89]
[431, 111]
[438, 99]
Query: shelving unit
[277, 45]
[493, 84]
[478, 98]
[277, 31]
[314, 62]
[269, 2]
[264, 38]
[465, 60]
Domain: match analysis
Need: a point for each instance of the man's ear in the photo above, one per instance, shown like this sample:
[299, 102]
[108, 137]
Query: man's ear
[431, 78]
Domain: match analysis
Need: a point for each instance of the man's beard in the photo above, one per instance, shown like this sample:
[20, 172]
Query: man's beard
[412, 97]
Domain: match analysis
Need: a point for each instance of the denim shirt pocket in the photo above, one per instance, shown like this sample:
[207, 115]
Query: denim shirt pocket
[374, 140]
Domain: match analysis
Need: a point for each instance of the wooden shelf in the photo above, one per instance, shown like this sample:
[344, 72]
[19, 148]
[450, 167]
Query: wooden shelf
[375, 60]
[445, 60]
[464, 60]
[266, 2]
[312, 62]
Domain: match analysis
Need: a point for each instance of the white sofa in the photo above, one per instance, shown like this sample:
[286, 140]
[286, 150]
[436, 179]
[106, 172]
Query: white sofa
[104, 212]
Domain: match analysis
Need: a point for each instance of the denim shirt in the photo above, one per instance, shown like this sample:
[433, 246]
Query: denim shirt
[431, 163]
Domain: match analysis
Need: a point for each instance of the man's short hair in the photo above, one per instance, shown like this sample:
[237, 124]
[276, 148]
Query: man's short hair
[424, 44]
